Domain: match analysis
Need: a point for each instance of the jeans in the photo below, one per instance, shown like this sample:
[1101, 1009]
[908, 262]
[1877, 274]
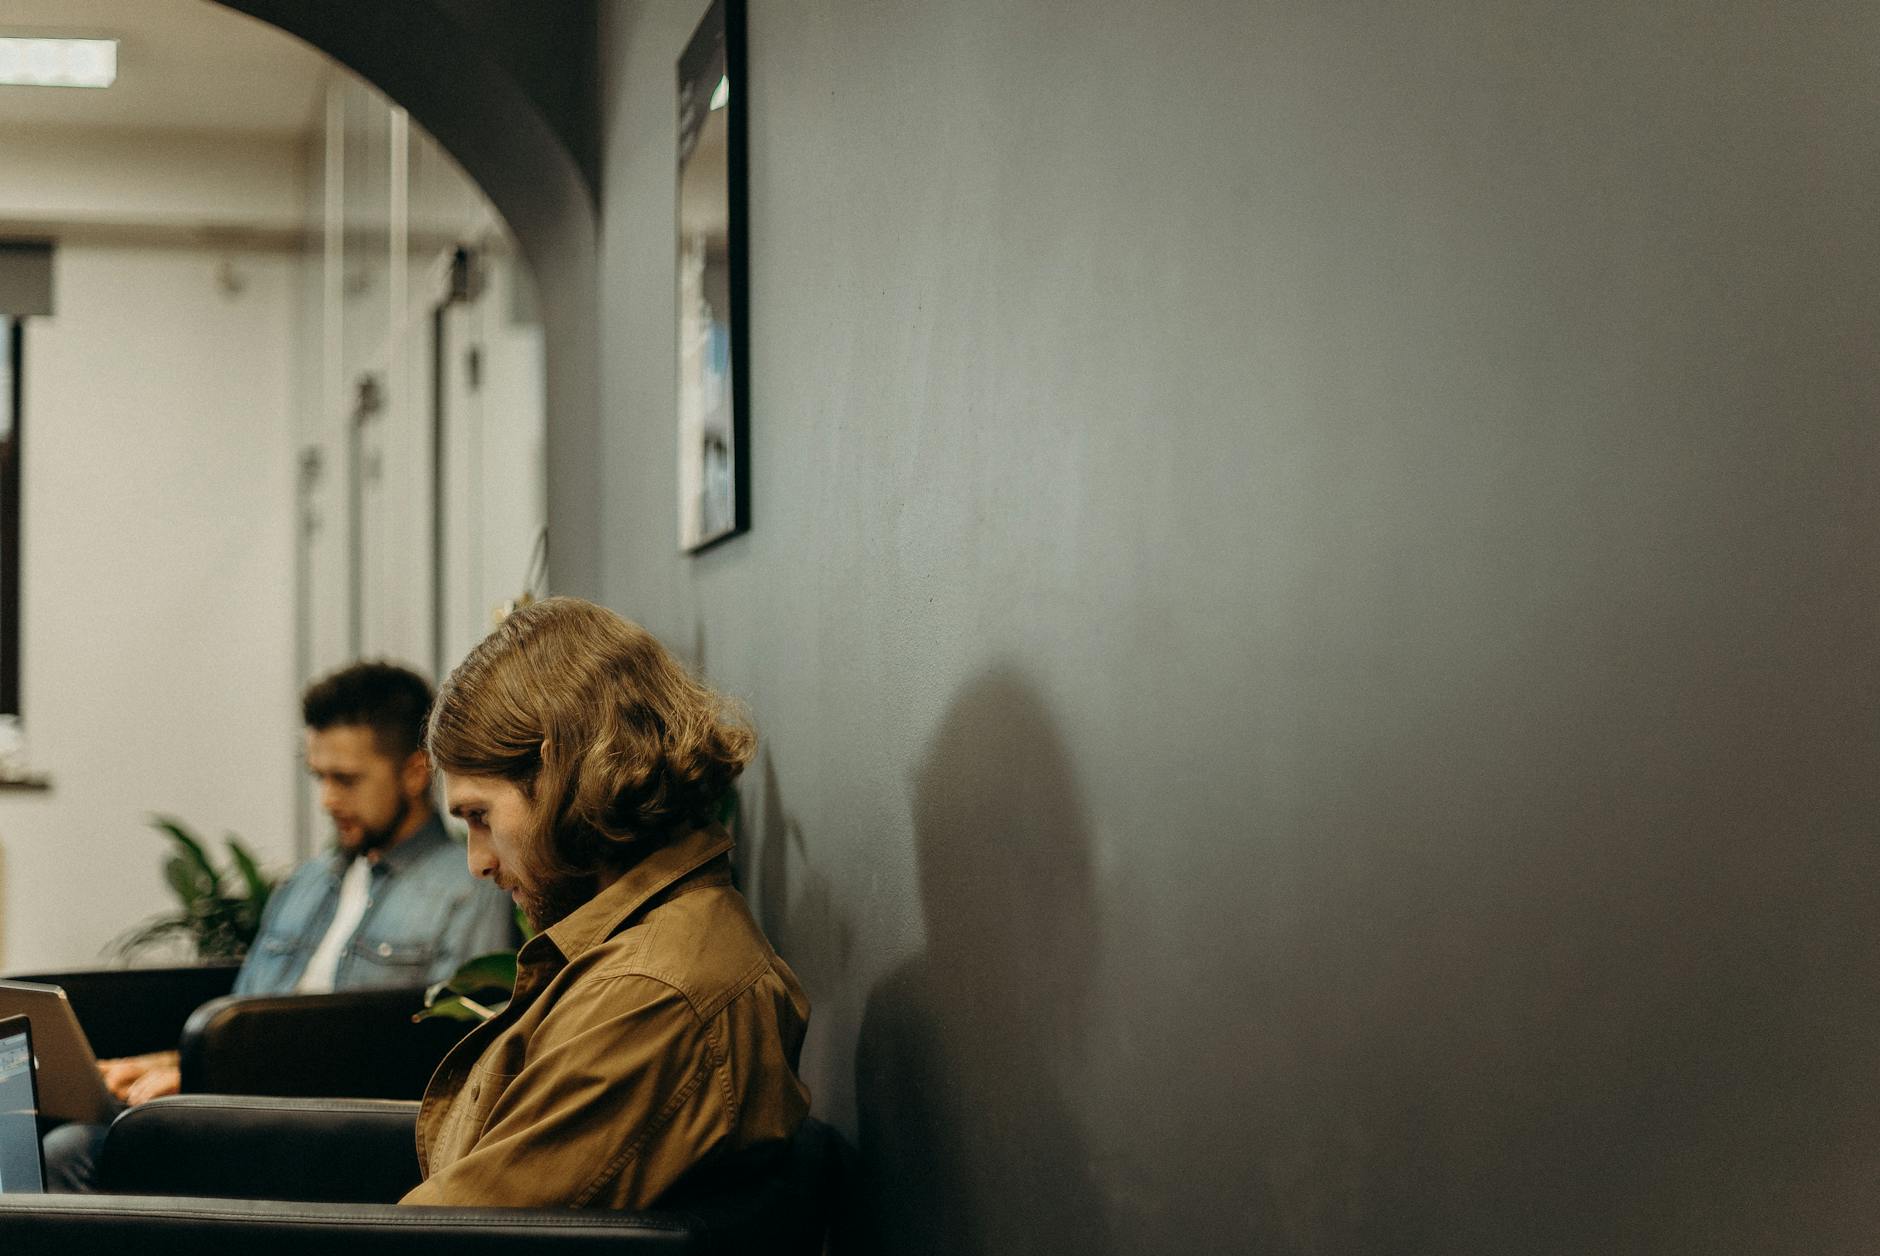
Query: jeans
[72, 1158]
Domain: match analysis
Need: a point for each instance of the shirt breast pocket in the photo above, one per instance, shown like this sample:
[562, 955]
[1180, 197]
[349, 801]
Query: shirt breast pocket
[394, 961]
[464, 1120]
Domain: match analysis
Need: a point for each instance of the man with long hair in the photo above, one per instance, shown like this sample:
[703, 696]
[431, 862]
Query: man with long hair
[653, 1030]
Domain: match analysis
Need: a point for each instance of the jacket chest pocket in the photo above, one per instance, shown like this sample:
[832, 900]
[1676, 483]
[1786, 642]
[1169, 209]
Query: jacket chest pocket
[464, 1120]
[393, 961]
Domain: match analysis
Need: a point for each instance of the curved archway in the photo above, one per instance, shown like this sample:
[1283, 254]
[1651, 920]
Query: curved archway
[513, 95]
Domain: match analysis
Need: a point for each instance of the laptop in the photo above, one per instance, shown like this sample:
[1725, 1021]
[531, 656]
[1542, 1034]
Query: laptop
[70, 1087]
[22, 1169]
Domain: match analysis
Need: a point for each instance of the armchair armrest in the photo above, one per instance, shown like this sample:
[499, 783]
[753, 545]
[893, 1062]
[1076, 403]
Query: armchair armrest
[329, 1150]
[128, 1011]
[780, 1206]
[111, 1225]
[356, 1043]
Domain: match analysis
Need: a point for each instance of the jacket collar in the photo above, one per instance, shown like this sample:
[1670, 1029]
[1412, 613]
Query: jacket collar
[395, 859]
[599, 918]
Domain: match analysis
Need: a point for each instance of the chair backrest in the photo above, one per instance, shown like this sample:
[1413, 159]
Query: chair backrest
[359, 1044]
[128, 1011]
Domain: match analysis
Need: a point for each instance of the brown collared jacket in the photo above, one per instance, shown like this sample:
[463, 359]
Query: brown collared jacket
[652, 1030]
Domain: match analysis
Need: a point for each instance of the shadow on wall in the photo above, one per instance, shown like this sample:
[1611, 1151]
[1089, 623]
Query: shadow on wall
[968, 1143]
[797, 910]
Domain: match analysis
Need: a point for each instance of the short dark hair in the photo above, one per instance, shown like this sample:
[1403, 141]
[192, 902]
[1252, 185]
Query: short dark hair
[393, 701]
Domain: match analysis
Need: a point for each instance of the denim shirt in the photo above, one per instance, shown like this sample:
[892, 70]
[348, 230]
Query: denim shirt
[425, 916]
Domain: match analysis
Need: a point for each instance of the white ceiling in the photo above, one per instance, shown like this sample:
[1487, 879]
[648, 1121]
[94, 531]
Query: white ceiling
[183, 65]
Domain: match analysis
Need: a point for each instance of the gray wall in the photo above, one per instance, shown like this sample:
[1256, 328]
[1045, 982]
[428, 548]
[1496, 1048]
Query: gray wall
[1311, 609]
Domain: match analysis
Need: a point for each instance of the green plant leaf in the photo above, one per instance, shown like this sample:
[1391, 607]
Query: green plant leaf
[457, 1008]
[484, 975]
[196, 856]
[186, 881]
[148, 934]
[258, 884]
[495, 971]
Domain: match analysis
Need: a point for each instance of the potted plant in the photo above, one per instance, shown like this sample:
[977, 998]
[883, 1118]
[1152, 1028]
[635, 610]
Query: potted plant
[218, 911]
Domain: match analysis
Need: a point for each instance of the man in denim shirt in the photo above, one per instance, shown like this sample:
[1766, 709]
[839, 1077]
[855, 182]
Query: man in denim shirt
[393, 904]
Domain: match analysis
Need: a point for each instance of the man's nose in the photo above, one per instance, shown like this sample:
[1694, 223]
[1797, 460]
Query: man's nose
[482, 858]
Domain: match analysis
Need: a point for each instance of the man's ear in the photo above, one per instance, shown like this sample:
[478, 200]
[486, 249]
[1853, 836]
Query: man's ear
[415, 776]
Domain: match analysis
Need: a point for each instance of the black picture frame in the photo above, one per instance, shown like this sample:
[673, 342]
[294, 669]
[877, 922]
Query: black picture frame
[712, 284]
[13, 332]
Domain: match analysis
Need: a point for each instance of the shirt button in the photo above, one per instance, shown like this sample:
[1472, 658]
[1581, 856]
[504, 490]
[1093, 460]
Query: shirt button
[385, 948]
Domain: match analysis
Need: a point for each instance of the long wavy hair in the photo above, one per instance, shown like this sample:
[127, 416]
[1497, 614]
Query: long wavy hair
[616, 746]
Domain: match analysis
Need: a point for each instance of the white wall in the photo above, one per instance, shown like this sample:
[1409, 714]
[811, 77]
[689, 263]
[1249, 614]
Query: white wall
[388, 209]
[147, 180]
[493, 461]
[157, 584]
[166, 421]
[399, 209]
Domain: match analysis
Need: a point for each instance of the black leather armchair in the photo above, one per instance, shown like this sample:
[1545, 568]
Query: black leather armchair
[248, 1147]
[356, 1043]
[327, 1169]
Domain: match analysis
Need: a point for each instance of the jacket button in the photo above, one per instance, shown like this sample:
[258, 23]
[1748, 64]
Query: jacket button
[385, 948]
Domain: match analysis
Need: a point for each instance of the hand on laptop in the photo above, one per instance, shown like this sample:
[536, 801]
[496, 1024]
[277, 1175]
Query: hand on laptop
[155, 1084]
[138, 1078]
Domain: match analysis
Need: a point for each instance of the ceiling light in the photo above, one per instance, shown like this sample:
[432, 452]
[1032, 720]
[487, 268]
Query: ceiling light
[57, 62]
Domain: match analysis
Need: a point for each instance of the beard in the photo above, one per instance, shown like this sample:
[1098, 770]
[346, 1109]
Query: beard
[548, 900]
[377, 837]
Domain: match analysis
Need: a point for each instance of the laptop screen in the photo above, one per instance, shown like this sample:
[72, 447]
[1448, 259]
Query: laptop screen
[20, 1169]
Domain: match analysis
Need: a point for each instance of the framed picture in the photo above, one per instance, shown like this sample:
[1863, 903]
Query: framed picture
[714, 378]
